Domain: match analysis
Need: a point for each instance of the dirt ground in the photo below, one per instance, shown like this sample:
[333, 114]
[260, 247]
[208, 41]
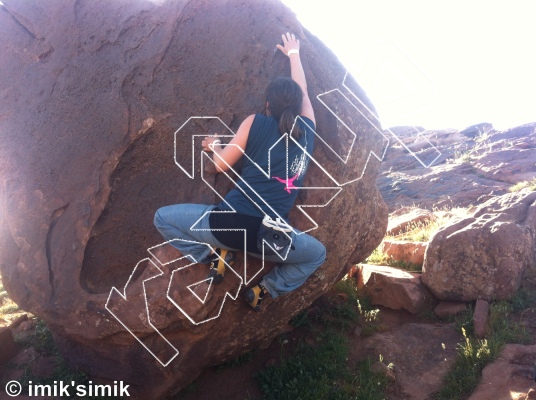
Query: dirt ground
[421, 348]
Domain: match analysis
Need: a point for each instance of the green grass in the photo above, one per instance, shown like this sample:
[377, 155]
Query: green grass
[463, 155]
[474, 354]
[348, 287]
[531, 185]
[322, 370]
[301, 320]
[315, 365]
[405, 265]
[191, 388]
[377, 257]
[418, 231]
[7, 306]
[380, 258]
[368, 316]
[482, 137]
[422, 231]
[9, 310]
[41, 340]
[342, 314]
[523, 300]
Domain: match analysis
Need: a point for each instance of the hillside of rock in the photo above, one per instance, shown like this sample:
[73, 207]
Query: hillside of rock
[450, 168]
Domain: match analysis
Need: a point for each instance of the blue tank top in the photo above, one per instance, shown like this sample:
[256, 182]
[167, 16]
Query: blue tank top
[269, 182]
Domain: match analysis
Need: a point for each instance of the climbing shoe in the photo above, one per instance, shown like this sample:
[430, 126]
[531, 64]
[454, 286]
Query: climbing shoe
[254, 296]
[217, 266]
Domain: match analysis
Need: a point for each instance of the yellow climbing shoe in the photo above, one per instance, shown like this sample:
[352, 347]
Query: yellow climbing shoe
[254, 296]
[217, 266]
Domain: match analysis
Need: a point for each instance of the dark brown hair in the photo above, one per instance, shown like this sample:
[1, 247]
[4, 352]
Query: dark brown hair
[284, 97]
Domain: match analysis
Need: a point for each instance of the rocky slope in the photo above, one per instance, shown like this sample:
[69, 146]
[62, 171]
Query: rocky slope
[450, 168]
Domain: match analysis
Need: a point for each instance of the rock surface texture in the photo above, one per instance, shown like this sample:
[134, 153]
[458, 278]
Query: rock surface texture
[407, 218]
[510, 377]
[484, 256]
[393, 288]
[467, 167]
[93, 96]
[422, 355]
[404, 250]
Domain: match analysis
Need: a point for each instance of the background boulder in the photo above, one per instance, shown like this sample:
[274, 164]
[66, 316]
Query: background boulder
[484, 256]
[96, 105]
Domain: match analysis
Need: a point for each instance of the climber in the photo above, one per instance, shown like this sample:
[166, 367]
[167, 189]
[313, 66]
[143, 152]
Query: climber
[261, 203]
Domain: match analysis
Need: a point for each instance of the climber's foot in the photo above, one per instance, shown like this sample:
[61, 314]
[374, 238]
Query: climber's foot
[254, 296]
[217, 266]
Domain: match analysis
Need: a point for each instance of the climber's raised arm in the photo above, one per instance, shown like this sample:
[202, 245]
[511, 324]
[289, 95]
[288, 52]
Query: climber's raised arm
[291, 48]
[226, 156]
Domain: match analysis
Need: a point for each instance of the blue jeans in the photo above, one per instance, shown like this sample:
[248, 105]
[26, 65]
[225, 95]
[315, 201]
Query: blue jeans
[175, 221]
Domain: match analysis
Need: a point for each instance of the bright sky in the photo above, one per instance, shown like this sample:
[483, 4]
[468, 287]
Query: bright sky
[447, 64]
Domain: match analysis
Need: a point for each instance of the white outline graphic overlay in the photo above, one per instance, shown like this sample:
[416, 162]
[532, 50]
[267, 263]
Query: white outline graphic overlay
[123, 295]
[349, 98]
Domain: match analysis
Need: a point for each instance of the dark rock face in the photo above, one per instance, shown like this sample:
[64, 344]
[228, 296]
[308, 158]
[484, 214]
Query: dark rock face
[91, 96]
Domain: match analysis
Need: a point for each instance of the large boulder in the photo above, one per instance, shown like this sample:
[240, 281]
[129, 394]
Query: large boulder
[97, 134]
[487, 255]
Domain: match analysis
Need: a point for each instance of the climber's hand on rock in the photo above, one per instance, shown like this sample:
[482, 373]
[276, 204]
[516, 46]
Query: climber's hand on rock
[209, 142]
[289, 43]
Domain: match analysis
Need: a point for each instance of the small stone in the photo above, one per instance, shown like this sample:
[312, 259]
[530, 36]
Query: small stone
[480, 318]
[25, 357]
[354, 272]
[7, 344]
[26, 326]
[380, 368]
[10, 374]
[357, 331]
[43, 366]
[270, 362]
[449, 308]
[19, 320]
[342, 296]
